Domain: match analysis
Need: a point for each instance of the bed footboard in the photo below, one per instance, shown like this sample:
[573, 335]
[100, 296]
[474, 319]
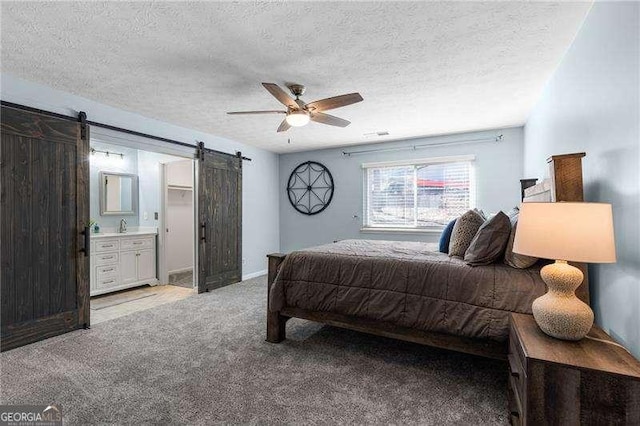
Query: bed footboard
[276, 323]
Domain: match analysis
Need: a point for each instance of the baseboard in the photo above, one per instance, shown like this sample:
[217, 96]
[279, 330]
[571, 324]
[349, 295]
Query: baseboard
[179, 271]
[254, 274]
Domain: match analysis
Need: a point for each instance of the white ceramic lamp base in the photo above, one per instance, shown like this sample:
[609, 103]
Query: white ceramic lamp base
[559, 313]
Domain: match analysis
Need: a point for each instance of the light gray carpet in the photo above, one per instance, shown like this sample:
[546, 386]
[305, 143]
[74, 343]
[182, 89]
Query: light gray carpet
[204, 359]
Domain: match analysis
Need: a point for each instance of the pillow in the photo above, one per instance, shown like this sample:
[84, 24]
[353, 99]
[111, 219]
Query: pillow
[463, 232]
[445, 237]
[481, 213]
[517, 260]
[489, 242]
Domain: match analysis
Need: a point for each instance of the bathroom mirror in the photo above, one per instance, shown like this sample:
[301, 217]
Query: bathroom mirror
[118, 194]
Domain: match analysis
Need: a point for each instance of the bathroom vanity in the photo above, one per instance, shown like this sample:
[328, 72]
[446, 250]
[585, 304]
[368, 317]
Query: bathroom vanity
[122, 260]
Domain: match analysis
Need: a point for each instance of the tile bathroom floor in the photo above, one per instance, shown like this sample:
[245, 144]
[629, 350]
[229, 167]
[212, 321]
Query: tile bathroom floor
[115, 305]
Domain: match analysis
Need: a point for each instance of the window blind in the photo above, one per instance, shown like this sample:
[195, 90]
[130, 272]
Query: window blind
[420, 195]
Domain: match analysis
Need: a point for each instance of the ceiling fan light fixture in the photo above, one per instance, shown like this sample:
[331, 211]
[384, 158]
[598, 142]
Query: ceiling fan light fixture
[297, 118]
[299, 113]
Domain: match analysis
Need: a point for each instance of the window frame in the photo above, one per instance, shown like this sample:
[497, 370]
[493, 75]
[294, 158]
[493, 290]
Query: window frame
[366, 228]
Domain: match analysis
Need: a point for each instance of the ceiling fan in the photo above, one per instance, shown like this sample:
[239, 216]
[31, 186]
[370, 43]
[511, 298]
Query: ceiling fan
[299, 113]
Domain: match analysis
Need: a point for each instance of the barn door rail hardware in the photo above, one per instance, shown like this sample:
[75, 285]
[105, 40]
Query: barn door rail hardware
[82, 118]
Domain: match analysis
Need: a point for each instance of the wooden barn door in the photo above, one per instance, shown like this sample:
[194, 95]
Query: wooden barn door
[219, 219]
[44, 208]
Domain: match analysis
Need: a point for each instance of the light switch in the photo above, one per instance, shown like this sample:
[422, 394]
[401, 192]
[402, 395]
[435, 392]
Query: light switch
[145, 216]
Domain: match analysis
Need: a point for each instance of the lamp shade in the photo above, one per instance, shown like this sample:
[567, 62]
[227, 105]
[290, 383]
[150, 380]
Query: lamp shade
[579, 232]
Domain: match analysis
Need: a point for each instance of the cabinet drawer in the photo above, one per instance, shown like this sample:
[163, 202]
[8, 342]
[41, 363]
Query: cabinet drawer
[92, 273]
[137, 243]
[514, 347]
[107, 271]
[515, 408]
[106, 282]
[107, 245]
[516, 383]
[517, 378]
[106, 259]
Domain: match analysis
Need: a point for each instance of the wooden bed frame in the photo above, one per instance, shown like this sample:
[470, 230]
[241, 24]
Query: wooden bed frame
[564, 184]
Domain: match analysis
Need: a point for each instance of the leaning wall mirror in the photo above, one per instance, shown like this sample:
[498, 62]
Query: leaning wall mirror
[118, 194]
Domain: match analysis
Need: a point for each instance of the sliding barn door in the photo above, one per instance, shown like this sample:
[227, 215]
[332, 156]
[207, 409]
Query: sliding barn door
[44, 207]
[220, 219]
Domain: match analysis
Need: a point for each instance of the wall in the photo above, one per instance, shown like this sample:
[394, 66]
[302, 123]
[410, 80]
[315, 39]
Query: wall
[99, 162]
[498, 170]
[150, 184]
[180, 217]
[260, 177]
[144, 164]
[592, 104]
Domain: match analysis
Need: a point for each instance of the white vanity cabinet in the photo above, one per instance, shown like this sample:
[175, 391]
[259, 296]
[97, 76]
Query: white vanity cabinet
[129, 267]
[120, 261]
[146, 265]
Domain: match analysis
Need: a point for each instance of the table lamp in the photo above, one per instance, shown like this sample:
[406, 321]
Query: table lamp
[578, 232]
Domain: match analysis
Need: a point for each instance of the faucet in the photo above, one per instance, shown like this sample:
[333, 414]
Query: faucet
[123, 226]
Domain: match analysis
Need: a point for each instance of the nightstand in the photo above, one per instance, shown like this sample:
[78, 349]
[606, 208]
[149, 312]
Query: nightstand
[560, 382]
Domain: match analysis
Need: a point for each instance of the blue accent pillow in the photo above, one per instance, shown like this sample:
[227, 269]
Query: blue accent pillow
[446, 236]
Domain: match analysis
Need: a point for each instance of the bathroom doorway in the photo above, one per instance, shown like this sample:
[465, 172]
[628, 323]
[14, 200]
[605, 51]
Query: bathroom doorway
[136, 196]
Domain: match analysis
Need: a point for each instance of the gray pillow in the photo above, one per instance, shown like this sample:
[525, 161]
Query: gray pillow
[463, 232]
[517, 260]
[489, 242]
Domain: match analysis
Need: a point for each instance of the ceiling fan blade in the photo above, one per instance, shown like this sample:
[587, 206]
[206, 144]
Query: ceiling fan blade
[334, 102]
[319, 117]
[280, 95]
[256, 112]
[284, 126]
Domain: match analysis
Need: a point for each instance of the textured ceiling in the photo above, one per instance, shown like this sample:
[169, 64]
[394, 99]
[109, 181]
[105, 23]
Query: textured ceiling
[422, 68]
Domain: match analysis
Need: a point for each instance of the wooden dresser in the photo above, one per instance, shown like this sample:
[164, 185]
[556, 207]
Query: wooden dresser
[556, 382]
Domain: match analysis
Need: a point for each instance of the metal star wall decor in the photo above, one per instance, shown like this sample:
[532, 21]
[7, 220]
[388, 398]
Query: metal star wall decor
[310, 188]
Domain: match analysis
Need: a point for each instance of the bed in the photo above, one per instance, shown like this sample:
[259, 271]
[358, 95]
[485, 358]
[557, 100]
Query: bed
[411, 291]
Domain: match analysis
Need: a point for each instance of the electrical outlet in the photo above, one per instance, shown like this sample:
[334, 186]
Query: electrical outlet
[145, 215]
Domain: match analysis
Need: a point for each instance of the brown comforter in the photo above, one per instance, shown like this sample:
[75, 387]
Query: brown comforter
[408, 284]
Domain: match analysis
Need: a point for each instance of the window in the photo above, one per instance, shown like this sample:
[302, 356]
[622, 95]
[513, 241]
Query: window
[418, 194]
